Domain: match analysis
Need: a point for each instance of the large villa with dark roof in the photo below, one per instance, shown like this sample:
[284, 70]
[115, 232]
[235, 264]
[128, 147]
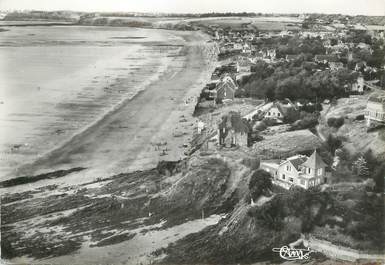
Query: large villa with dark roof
[298, 170]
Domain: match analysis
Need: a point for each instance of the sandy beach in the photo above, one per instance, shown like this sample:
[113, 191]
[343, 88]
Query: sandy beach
[140, 131]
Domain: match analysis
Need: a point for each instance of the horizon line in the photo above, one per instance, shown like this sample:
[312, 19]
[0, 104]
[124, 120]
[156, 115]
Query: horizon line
[186, 13]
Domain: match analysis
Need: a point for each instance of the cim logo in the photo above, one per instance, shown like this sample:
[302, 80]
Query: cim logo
[288, 253]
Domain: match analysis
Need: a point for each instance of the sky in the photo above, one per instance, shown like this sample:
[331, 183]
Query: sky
[350, 7]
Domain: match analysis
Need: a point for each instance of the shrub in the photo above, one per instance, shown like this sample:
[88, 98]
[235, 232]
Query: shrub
[270, 122]
[260, 182]
[360, 117]
[333, 143]
[251, 162]
[260, 126]
[307, 121]
[336, 122]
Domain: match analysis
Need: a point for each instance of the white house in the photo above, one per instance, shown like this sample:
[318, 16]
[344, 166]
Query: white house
[246, 49]
[375, 109]
[358, 86]
[279, 110]
[299, 170]
[274, 112]
[244, 65]
[200, 126]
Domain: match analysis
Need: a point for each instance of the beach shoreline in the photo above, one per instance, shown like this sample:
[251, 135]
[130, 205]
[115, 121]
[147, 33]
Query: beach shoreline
[130, 138]
[135, 135]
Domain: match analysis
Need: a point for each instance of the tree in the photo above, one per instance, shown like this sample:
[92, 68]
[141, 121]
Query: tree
[260, 182]
[333, 143]
[360, 167]
[378, 177]
[335, 122]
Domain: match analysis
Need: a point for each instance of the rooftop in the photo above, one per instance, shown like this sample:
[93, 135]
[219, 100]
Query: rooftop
[314, 161]
[234, 121]
[296, 161]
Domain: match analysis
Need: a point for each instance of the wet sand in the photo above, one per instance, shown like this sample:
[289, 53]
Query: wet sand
[151, 126]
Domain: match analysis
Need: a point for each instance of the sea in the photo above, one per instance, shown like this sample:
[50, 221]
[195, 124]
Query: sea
[56, 81]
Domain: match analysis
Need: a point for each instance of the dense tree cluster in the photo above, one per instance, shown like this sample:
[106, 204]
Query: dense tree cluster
[307, 121]
[260, 183]
[309, 47]
[366, 218]
[305, 205]
[295, 80]
[357, 167]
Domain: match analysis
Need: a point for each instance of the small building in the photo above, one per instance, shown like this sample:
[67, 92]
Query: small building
[325, 58]
[298, 170]
[285, 33]
[260, 55]
[281, 110]
[201, 126]
[272, 54]
[275, 112]
[376, 31]
[246, 49]
[375, 109]
[291, 57]
[334, 66]
[233, 131]
[244, 65]
[225, 89]
[358, 86]
[363, 46]
[238, 46]
[360, 66]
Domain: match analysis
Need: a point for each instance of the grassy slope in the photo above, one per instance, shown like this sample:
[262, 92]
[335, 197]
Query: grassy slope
[354, 131]
[250, 232]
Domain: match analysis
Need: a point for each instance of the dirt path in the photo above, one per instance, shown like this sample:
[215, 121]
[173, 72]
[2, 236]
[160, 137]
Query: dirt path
[126, 139]
[321, 120]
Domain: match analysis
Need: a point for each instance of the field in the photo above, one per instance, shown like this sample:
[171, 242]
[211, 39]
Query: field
[287, 143]
[260, 23]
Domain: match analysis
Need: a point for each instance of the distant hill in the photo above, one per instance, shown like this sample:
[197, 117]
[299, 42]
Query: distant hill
[67, 16]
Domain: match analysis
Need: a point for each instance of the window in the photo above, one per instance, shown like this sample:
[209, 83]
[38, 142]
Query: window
[309, 170]
[319, 171]
[283, 176]
[291, 180]
[288, 168]
[279, 114]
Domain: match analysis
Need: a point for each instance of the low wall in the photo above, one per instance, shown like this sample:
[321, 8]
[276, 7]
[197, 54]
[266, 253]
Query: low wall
[340, 252]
